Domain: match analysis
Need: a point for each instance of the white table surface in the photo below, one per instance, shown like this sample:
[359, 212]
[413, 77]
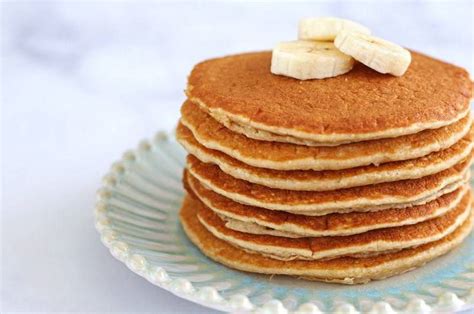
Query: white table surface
[81, 82]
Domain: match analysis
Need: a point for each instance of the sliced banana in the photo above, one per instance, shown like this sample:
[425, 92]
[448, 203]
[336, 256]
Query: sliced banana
[309, 60]
[381, 55]
[327, 28]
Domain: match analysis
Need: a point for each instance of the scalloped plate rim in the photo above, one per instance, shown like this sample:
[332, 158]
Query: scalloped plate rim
[183, 288]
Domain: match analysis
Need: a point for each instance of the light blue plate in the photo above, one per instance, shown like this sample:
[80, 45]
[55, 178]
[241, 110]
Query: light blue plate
[136, 215]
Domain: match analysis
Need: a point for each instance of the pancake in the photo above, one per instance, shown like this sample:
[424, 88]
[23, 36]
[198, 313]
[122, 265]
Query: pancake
[257, 220]
[360, 105]
[310, 180]
[397, 194]
[364, 244]
[283, 156]
[347, 270]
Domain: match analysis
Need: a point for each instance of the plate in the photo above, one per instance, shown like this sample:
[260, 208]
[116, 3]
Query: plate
[136, 215]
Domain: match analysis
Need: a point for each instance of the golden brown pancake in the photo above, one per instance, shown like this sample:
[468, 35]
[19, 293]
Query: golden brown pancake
[283, 156]
[347, 270]
[368, 243]
[359, 105]
[397, 194]
[310, 180]
[293, 225]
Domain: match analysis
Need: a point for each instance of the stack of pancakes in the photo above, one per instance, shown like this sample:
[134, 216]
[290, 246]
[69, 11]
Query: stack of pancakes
[347, 179]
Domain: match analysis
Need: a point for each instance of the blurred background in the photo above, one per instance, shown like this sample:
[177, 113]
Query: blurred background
[82, 81]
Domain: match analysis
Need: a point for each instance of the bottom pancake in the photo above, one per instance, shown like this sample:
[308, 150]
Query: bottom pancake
[346, 270]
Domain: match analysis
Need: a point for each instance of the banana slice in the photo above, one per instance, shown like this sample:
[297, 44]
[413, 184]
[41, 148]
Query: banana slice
[309, 60]
[381, 55]
[327, 28]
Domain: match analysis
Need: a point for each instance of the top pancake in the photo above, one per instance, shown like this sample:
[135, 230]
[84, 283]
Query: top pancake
[359, 105]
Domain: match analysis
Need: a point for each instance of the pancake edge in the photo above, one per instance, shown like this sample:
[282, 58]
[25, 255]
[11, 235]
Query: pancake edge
[287, 253]
[198, 235]
[328, 164]
[302, 231]
[322, 184]
[224, 117]
[446, 185]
